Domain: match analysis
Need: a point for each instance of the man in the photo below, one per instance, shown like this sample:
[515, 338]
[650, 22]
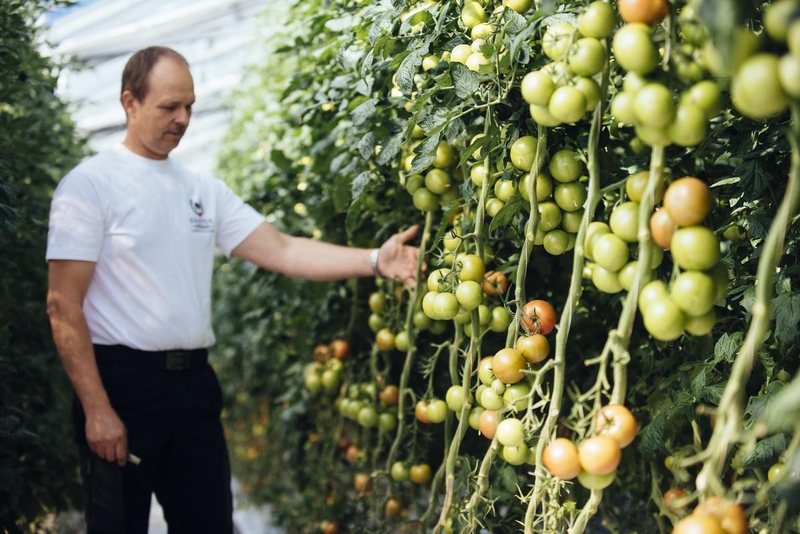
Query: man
[130, 253]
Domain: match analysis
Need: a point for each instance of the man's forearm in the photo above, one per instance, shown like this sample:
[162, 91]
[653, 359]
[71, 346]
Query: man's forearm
[74, 346]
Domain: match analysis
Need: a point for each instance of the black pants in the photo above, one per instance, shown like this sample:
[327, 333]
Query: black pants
[172, 418]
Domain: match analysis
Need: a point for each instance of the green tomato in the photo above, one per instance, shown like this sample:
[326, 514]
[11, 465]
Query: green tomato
[523, 152]
[515, 455]
[469, 294]
[471, 267]
[598, 20]
[693, 292]
[633, 48]
[567, 104]
[445, 306]
[624, 221]
[556, 39]
[587, 57]
[500, 320]
[556, 242]
[510, 432]
[387, 421]
[566, 166]
[437, 181]
[437, 411]
[596, 482]
[663, 319]
[425, 200]
[605, 280]
[610, 252]
[455, 397]
[399, 472]
[653, 105]
[550, 216]
[490, 400]
[537, 86]
[367, 417]
[695, 248]
[570, 196]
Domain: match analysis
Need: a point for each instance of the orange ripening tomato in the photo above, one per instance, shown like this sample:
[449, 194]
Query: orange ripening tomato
[650, 12]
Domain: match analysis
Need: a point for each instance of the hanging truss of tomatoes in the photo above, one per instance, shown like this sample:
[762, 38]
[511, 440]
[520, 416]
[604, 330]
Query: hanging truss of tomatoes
[603, 332]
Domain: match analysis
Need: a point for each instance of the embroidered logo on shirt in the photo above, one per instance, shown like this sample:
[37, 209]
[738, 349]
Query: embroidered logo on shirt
[197, 206]
[198, 223]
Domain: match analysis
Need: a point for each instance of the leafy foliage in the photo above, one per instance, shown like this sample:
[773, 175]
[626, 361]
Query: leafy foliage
[38, 468]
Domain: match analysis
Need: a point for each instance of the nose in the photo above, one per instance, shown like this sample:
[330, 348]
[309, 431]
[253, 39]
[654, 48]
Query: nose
[182, 116]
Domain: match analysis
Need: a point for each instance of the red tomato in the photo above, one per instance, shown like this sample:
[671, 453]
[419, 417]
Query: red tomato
[390, 395]
[340, 348]
[541, 314]
[495, 283]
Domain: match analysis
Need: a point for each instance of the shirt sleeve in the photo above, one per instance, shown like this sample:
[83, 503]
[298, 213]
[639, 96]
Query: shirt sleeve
[237, 219]
[76, 226]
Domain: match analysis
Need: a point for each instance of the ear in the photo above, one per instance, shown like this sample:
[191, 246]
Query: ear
[128, 102]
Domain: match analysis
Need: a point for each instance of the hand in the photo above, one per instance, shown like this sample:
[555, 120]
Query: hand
[106, 435]
[397, 260]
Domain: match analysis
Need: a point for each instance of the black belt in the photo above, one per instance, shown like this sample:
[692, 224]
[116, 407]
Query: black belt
[168, 360]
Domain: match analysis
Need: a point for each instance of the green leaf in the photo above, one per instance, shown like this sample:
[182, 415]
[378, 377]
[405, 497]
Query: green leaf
[366, 147]
[651, 437]
[408, 67]
[359, 184]
[390, 148]
[425, 154]
[727, 346]
[781, 413]
[507, 213]
[764, 454]
[786, 313]
[363, 111]
[464, 80]
[758, 404]
[700, 382]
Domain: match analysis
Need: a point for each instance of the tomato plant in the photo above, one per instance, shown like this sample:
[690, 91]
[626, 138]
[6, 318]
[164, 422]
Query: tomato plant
[538, 142]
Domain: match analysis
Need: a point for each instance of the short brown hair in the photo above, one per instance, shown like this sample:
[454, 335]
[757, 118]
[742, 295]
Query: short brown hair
[138, 67]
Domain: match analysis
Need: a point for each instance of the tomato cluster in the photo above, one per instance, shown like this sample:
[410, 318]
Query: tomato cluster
[686, 304]
[369, 408]
[766, 82]
[595, 459]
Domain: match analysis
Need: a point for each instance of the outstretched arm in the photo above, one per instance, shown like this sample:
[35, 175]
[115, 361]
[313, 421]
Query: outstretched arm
[305, 258]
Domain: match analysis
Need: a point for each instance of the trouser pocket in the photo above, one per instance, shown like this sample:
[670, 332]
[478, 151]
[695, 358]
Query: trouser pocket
[104, 494]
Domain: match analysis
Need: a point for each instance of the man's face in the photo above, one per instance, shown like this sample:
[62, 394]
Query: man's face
[157, 123]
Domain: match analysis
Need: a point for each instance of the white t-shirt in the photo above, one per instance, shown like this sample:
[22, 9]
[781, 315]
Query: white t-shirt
[152, 227]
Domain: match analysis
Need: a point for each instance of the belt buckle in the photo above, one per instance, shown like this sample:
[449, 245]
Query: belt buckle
[178, 360]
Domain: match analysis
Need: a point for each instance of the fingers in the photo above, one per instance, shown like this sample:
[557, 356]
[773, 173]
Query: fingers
[121, 450]
[408, 234]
